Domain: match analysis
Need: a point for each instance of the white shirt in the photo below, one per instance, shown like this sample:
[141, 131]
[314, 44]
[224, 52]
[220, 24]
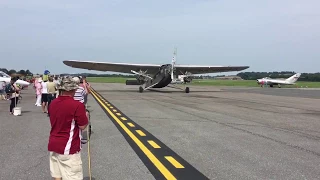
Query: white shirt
[44, 88]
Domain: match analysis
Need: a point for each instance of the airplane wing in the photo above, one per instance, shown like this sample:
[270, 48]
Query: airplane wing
[196, 69]
[152, 68]
[114, 67]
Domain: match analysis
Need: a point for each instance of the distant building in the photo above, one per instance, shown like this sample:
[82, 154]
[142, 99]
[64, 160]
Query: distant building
[228, 78]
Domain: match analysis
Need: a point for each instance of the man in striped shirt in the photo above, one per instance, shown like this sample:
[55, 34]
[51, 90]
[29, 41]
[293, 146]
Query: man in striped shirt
[80, 95]
[80, 92]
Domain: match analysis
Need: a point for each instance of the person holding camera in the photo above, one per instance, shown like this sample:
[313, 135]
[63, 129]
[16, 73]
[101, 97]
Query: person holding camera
[13, 93]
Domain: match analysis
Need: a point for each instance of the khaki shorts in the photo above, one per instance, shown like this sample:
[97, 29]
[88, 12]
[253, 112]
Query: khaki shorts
[66, 166]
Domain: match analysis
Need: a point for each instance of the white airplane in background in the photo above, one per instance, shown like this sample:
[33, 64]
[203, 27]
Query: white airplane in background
[159, 75]
[268, 81]
[6, 78]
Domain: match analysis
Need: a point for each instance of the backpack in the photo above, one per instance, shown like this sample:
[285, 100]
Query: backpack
[9, 89]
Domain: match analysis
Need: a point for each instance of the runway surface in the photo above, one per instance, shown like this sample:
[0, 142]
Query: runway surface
[313, 93]
[213, 132]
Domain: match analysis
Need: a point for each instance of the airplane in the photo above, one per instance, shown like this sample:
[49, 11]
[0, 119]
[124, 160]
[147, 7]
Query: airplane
[268, 81]
[6, 78]
[154, 75]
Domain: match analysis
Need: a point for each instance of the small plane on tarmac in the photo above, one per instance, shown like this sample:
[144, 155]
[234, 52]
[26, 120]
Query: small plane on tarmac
[268, 81]
[158, 76]
[6, 78]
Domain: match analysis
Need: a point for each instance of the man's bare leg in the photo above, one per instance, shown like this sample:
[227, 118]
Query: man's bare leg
[57, 178]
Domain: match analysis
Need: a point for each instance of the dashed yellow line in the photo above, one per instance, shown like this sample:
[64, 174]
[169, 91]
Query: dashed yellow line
[174, 162]
[118, 114]
[140, 133]
[114, 110]
[131, 125]
[167, 174]
[154, 144]
[123, 118]
[111, 107]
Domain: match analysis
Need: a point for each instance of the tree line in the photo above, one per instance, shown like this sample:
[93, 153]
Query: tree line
[13, 71]
[283, 74]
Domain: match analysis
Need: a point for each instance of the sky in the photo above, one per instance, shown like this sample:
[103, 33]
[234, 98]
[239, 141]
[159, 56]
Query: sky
[269, 35]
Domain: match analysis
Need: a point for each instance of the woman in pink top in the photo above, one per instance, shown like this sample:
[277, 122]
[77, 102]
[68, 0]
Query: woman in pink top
[38, 87]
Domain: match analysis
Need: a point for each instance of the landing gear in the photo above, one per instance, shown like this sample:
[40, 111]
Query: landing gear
[187, 90]
[140, 89]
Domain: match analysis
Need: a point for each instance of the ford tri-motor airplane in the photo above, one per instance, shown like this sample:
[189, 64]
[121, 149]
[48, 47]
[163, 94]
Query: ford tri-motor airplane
[268, 81]
[6, 78]
[158, 76]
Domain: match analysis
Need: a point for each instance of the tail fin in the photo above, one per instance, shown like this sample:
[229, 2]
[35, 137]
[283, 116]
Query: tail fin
[293, 78]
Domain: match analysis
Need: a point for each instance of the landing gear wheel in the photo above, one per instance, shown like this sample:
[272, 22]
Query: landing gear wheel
[187, 90]
[140, 89]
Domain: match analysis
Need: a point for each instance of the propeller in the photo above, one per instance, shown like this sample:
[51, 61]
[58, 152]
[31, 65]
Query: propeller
[187, 76]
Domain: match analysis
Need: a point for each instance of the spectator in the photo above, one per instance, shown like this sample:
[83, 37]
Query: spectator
[44, 96]
[38, 88]
[68, 119]
[2, 90]
[80, 92]
[51, 86]
[86, 85]
[56, 81]
[13, 93]
[80, 96]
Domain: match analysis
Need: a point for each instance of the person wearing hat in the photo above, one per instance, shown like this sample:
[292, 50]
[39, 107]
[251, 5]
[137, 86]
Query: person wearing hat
[80, 92]
[68, 119]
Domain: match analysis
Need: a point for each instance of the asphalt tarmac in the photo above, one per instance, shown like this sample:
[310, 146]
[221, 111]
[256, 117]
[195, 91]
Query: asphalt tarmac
[212, 132]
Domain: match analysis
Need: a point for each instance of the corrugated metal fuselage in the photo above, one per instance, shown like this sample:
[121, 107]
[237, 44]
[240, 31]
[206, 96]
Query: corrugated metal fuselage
[163, 77]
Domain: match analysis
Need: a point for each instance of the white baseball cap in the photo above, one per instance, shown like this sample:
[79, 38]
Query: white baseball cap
[76, 79]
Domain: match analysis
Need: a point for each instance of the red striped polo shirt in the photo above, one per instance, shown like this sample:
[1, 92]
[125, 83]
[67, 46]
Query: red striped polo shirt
[66, 115]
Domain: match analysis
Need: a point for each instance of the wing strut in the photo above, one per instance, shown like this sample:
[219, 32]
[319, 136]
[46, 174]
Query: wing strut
[141, 89]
